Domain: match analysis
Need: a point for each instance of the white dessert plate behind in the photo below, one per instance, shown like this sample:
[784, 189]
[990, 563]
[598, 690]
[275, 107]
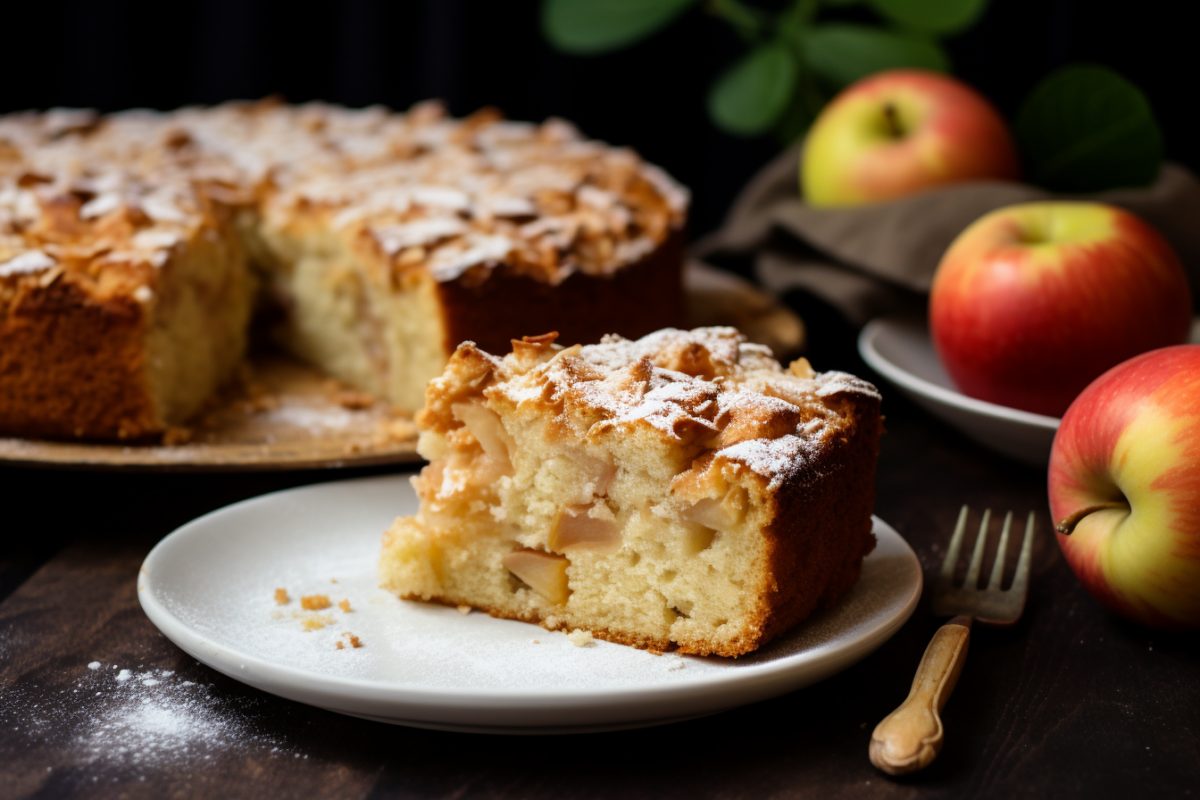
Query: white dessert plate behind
[209, 588]
[899, 349]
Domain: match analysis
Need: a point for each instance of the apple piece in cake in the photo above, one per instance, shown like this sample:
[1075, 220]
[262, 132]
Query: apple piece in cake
[682, 491]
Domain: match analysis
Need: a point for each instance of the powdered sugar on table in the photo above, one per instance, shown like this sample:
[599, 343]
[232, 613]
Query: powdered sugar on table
[121, 719]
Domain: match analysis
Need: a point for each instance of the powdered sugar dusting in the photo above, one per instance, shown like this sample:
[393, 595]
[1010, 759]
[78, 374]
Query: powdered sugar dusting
[776, 459]
[693, 384]
[313, 419]
[726, 347]
[134, 719]
[672, 398]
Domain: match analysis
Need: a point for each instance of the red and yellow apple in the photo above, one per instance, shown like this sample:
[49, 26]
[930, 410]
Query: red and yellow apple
[899, 132]
[1034, 301]
[1125, 488]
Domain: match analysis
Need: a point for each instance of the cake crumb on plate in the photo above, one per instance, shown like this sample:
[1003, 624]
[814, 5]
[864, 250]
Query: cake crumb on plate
[580, 638]
[315, 602]
[317, 622]
[347, 638]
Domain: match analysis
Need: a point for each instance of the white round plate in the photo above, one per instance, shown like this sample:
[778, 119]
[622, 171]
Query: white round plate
[899, 349]
[209, 588]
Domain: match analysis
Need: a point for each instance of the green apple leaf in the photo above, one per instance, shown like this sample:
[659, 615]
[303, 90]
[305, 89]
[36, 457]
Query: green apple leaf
[931, 16]
[755, 91]
[843, 53]
[1085, 128]
[587, 27]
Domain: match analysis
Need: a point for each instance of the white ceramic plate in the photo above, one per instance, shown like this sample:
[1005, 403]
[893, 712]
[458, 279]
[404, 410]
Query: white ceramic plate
[899, 349]
[209, 588]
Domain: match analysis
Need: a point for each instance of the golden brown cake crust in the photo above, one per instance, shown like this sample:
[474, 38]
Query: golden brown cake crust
[822, 528]
[71, 364]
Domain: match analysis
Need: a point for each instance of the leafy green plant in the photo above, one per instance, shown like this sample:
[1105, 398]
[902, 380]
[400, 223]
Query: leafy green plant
[797, 58]
[1085, 128]
[598, 26]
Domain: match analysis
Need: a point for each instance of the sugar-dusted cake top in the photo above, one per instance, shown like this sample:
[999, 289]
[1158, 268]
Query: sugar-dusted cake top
[706, 390]
[420, 190]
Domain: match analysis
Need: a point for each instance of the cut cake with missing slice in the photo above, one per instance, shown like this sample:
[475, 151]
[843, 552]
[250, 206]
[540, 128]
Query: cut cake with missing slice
[136, 248]
[682, 491]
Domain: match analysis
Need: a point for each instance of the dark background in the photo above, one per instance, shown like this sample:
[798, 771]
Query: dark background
[490, 52]
[1072, 702]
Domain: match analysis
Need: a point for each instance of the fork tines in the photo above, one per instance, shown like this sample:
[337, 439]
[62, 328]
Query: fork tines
[948, 598]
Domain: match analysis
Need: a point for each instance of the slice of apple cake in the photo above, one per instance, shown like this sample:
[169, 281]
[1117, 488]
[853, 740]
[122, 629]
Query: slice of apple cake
[682, 491]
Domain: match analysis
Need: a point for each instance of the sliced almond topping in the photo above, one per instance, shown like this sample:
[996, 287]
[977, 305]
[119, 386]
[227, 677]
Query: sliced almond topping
[575, 527]
[760, 418]
[801, 368]
[534, 345]
[545, 573]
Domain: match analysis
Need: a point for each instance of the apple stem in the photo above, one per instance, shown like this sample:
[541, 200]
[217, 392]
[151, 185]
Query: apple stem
[1067, 526]
[892, 117]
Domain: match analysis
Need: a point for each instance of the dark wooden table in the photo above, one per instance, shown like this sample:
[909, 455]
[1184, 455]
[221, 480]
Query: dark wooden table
[1072, 702]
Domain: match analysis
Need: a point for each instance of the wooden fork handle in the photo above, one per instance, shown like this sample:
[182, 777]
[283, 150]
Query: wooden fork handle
[910, 737]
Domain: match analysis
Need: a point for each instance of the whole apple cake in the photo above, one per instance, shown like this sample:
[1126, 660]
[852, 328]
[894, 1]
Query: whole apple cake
[682, 491]
[136, 247]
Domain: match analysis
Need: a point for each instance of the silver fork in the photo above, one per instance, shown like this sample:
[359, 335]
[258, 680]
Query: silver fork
[910, 737]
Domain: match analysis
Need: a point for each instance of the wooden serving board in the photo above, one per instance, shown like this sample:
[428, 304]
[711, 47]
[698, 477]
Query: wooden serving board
[286, 415]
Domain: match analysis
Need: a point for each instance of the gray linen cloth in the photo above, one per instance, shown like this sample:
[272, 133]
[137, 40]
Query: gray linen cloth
[880, 258]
